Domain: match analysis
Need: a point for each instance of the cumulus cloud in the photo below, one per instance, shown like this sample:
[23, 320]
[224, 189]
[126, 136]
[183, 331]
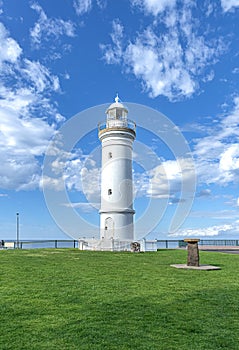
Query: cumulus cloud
[168, 171]
[23, 135]
[229, 5]
[73, 171]
[160, 67]
[114, 55]
[204, 193]
[47, 28]
[217, 154]
[82, 174]
[52, 183]
[85, 6]
[154, 7]
[10, 50]
[210, 231]
[171, 61]
[22, 141]
[229, 160]
[235, 70]
[82, 6]
[84, 207]
[25, 107]
[101, 3]
[40, 76]
[216, 161]
[165, 180]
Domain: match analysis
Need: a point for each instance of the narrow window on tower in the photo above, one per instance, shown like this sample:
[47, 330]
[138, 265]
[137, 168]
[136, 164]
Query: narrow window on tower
[110, 155]
[109, 191]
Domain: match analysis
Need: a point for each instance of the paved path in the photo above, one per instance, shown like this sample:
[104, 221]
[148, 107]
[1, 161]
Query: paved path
[220, 249]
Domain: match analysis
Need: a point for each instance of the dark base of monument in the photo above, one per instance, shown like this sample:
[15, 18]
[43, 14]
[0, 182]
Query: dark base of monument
[200, 267]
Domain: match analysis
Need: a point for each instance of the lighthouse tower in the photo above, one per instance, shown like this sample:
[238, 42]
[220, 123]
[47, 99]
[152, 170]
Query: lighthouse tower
[117, 135]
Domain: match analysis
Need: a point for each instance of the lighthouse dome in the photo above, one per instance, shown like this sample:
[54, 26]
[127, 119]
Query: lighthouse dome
[117, 110]
[116, 105]
[117, 118]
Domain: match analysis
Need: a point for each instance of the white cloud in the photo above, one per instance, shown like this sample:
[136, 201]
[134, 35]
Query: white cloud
[19, 173]
[160, 68]
[85, 207]
[209, 77]
[59, 118]
[217, 155]
[85, 6]
[154, 6]
[204, 193]
[40, 76]
[74, 171]
[210, 9]
[90, 177]
[46, 28]
[229, 160]
[23, 136]
[165, 180]
[25, 108]
[210, 231]
[82, 6]
[235, 70]
[10, 50]
[22, 140]
[55, 184]
[169, 62]
[113, 55]
[101, 3]
[229, 5]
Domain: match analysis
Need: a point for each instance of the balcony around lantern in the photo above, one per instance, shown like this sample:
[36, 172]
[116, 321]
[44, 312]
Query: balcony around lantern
[119, 123]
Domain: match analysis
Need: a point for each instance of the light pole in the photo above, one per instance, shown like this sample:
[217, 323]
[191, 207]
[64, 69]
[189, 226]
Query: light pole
[17, 230]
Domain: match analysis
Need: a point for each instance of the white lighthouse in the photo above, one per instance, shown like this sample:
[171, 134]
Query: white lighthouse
[117, 135]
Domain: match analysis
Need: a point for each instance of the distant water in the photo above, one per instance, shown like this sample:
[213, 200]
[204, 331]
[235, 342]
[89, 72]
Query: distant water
[34, 244]
[161, 244]
[47, 244]
[167, 244]
[74, 244]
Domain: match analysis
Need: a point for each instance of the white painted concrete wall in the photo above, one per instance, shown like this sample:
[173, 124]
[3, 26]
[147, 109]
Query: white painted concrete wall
[116, 213]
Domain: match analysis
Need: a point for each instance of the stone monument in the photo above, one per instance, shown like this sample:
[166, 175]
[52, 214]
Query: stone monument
[193, 252]
[193, 257]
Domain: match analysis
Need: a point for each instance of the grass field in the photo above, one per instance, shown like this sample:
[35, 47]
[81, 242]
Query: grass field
[69, 299]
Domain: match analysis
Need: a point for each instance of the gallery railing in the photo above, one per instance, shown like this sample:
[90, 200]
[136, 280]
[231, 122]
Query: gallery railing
[161, 244]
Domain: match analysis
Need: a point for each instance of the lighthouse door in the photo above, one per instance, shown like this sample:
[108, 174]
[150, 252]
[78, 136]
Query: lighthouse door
[109, 228]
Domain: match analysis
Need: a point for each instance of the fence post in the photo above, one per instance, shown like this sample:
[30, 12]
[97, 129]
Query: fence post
[55, 243]
[166, 244]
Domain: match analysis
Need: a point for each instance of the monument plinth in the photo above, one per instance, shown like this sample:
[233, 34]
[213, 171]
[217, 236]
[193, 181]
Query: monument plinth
[193, 257]
[193, 252]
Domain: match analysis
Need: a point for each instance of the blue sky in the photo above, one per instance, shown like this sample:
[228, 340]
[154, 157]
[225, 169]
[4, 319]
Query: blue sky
[174, 64]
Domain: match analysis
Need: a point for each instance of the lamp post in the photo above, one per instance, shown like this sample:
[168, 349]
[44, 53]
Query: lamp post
[17, 230]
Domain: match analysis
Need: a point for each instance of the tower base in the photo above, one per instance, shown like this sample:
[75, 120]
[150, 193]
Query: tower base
[115, 245]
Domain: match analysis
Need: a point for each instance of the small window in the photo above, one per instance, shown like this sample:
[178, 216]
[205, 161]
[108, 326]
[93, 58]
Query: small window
[110, 155]
[109, 191]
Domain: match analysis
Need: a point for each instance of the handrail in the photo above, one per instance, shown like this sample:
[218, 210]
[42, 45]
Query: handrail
[117, 123]
[164, 243]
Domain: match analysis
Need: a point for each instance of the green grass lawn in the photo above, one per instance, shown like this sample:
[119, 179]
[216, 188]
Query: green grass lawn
[70, 299]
